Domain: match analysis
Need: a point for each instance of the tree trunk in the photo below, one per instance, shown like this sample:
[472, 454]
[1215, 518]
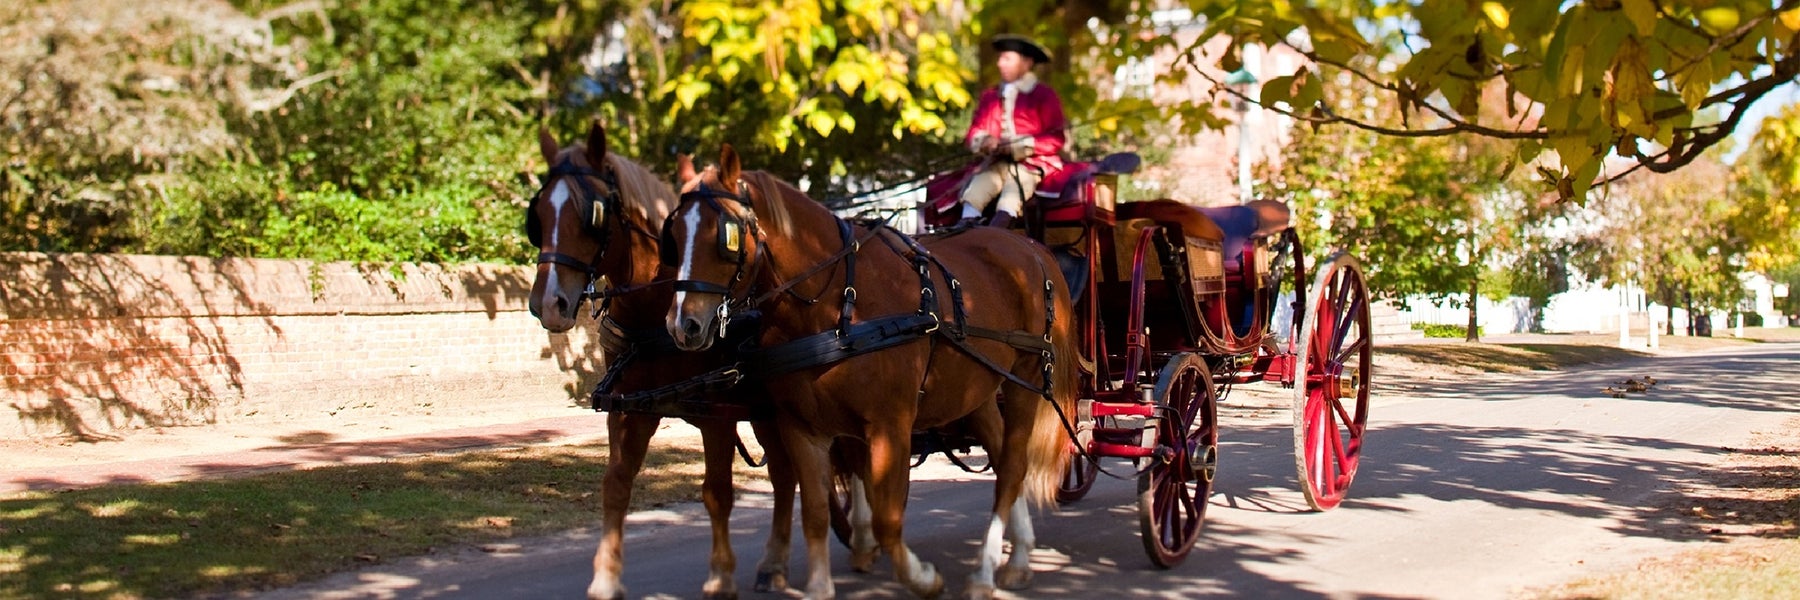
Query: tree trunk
[1474, 333]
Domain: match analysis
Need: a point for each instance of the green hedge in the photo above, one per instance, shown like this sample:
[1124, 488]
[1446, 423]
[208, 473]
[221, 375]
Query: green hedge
[1433, 330]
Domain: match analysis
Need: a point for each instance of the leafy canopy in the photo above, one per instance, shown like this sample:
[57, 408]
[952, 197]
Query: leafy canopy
[1585, 79]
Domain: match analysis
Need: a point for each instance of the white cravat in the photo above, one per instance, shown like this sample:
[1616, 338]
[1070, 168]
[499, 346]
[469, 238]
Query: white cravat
[1009, 93]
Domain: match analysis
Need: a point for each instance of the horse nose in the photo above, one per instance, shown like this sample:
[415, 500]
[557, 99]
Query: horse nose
[562, 306]
[690, 327]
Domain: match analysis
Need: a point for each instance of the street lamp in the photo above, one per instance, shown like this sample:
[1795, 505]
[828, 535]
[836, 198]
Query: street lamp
[1241, 81]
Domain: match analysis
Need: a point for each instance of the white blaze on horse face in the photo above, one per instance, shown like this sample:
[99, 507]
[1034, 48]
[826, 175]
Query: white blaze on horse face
[691, 218]
[559, 196]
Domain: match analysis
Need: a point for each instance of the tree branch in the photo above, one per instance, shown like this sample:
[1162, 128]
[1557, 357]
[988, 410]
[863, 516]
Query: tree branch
[1456, 125]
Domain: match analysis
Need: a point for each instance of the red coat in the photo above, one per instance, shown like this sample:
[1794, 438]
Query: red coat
[1037, 113]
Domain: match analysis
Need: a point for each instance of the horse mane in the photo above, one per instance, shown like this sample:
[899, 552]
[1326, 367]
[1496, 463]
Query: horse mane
[775, 216]
[773, 191]
[640, 191]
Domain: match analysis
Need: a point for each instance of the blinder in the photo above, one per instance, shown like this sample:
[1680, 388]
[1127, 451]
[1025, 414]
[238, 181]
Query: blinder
[588, 202]
[732, 228]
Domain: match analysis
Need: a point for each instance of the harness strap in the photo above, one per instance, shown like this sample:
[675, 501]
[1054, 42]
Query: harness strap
[829, 347]
[849, 307]
[1018, 339]
[963, 344]
[568, 261]
[676, 399]
[704, 287]
[745, 452]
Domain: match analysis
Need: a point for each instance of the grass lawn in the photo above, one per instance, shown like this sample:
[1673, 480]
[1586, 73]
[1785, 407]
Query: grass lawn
[180, 539]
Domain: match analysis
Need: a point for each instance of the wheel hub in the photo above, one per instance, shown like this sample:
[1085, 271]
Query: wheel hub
[1204, 459]
[1346, 383]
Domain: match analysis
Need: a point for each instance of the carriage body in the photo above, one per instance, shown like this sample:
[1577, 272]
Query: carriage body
[1181, 302]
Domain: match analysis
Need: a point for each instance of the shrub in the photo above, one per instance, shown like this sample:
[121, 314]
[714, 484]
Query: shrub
[1433, 330]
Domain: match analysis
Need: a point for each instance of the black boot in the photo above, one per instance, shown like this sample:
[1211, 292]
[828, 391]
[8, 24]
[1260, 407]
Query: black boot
[1002, 219]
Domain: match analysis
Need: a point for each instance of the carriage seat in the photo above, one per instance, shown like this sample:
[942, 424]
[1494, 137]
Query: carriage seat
[1192, 222]
[1246, 222]
[1070, 203]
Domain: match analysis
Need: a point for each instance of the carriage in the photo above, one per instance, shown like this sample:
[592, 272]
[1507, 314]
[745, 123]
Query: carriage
[1184, 303]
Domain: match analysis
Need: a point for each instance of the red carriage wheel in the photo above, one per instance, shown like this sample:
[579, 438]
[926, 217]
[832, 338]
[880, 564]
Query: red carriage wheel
[1078, 478]
[1173, 491]
[1331, 377]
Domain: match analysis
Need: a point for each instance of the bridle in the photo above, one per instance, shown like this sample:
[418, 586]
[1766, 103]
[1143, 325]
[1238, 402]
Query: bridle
[594, 206]
[733, 229]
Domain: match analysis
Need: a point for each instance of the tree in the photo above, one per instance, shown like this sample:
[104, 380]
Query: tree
[1596, 78]
[1672, 234]
[106, 102]
[410, 146]
[816, 90]
[1768, 181]
[1424, 214]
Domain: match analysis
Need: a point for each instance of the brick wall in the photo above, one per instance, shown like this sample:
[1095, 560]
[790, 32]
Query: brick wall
[92, 344]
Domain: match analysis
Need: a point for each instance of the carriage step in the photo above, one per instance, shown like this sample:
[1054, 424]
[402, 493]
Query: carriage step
[1118, 435]
[1099, 448]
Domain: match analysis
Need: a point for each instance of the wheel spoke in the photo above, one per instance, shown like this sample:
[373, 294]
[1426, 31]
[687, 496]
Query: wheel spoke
[1337, 444]
[1344, 323]
[1343, 414]
[1353, 347]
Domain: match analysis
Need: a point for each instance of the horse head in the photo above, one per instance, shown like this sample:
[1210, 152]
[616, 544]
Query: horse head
[714, 243]
[579, 223]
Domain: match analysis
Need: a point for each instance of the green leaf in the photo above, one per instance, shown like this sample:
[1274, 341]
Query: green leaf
[1277, 90]
[689, 92]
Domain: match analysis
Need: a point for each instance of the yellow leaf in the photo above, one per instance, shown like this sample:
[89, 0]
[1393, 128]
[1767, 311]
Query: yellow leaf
[821, 122]
[846, 123]
[1642, 14]
[847, 79]
[1719, 19]
[1498, 13]
[1791, 19]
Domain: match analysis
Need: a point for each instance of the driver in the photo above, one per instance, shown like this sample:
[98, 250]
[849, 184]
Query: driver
[1018, 127]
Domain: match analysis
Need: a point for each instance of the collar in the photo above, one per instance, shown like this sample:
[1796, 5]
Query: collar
[1025, 84]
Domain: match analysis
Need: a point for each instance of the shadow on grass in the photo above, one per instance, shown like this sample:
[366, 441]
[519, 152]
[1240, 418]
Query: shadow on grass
[179, 539]
[1512, 358]
[304, 448]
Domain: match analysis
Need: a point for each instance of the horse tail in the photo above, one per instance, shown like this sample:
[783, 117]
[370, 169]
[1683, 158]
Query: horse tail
[1048, 454]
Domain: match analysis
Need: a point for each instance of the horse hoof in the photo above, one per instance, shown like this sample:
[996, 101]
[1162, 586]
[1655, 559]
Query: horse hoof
[979, 592]
[771, 582]
[863, 562]
[717, 596]
[934, 583]
[1013, 579]
[596, 592]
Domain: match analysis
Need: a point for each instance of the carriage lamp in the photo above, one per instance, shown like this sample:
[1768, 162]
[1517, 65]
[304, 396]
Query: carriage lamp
[1241, 81]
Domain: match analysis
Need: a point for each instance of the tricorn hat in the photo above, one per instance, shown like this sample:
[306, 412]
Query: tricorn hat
[1022, 45]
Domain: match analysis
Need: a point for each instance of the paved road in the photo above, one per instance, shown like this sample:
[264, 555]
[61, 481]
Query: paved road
[1471, 492]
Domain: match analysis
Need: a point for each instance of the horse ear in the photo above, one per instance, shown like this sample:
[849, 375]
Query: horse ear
[547, 145]
[596, 145]
[684, 168]
[729, 167]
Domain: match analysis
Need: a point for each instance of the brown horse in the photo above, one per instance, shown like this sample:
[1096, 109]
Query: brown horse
[594, 219]
[809, 279]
